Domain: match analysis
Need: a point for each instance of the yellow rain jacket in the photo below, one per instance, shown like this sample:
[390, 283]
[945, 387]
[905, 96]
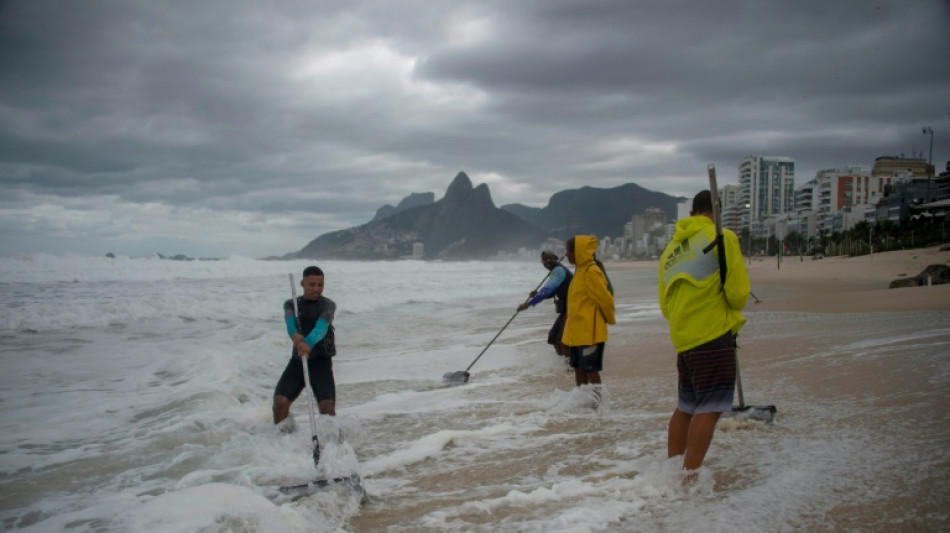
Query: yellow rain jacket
[690, 290]
[590, 305]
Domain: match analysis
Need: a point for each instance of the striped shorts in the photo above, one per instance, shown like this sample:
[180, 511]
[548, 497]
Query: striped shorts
[707, 376]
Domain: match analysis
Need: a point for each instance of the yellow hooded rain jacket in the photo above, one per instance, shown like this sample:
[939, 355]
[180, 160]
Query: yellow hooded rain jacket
[590, 305]
[690, 290]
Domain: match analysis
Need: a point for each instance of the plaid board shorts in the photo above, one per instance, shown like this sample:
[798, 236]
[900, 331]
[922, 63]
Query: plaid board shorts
[707, 376]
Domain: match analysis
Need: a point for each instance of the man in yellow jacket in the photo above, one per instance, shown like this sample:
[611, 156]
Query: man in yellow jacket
[590, 307]
[703, 312]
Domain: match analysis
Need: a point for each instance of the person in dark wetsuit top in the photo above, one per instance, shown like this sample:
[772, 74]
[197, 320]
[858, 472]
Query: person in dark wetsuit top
[556, 287]
[315, 340]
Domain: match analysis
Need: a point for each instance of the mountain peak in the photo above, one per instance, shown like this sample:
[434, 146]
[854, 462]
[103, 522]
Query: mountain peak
[460, 188]
[482, 196]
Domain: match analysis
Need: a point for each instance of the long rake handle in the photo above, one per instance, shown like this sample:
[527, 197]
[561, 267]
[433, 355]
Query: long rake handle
[485, 349]
[739, 382]
[303, 361]
[721, 243]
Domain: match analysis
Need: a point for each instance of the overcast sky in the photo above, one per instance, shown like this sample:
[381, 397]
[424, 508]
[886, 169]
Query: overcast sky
[224, 127]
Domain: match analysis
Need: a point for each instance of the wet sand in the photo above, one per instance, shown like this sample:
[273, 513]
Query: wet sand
[859, 374]
[842, 357]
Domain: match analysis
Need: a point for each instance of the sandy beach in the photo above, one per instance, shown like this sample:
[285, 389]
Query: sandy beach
[859, 374]
[802, 350]
[839, 284]
[180, 438]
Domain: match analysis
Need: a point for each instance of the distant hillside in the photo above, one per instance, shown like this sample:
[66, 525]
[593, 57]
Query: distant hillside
[464, 224]
[523, 212]
[601, 212]
[413, 200]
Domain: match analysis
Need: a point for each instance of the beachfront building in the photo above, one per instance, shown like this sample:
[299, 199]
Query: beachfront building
[732, 207]
[838, 189]
[644, 232]
[553, 245]
[611, 248]
[766, 190]
[911, 167]
[938, 206]
[942, 184]
[669, 230]
[806, 196]
[909, 188]
[900, 198]
[841, 197]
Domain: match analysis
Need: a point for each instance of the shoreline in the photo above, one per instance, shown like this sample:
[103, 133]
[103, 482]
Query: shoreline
[838, 284]
[856, 370]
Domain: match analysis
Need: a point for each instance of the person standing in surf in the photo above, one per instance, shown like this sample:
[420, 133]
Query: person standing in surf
[556, 287]
[704, 316]
[315, 340]
[590, 309]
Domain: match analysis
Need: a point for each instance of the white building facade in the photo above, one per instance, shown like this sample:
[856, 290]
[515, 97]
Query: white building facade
[767, 189]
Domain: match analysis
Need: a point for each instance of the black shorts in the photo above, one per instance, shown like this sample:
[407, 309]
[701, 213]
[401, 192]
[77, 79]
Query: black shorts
[557, 330]
[588, 358]
[291, 382]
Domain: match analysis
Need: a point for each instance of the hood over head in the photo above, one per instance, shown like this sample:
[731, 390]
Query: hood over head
[584, 248]
[687, 227]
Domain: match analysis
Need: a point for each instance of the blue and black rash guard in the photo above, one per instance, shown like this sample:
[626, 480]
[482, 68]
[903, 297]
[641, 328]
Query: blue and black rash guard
[556, 285]
[315, 316]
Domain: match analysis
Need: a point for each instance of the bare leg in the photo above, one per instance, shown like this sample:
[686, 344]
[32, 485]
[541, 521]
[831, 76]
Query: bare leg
[701, 430]
[327, 407]
[281, 408]
[677, 433]
[580, 377]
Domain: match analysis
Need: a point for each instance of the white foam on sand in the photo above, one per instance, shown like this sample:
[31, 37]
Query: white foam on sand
[149, 409]
[430, 446]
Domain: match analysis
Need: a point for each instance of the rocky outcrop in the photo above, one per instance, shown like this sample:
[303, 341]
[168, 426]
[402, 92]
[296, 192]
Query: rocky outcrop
[413, 200]
[464, 224]
[932, 275]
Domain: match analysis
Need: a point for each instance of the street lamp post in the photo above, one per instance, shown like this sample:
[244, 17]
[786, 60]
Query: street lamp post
[930, 159]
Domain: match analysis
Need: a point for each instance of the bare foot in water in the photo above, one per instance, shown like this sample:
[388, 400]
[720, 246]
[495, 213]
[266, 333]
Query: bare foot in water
[689, 478]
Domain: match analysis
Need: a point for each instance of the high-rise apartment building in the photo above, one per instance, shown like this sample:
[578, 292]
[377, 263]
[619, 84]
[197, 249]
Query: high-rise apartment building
[731, 208]
[836, 188]
[638, 230]
[843, 196]
[767, 188]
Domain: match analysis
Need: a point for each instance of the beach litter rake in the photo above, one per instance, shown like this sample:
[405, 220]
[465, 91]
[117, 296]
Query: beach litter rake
[763, 413]
[351, 482]
[460, 377]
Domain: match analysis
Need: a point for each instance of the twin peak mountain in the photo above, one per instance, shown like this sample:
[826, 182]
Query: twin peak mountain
[465, 224]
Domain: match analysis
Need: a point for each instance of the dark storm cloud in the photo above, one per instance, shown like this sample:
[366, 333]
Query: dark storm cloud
[314, 114]
[714, 49]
